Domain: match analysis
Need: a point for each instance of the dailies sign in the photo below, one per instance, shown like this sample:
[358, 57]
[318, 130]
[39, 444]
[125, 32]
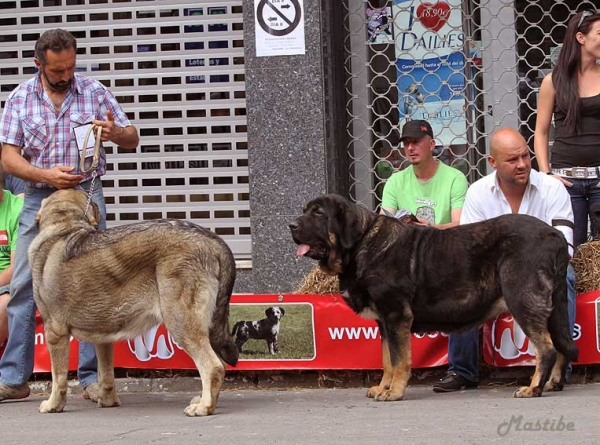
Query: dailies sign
[430, 63]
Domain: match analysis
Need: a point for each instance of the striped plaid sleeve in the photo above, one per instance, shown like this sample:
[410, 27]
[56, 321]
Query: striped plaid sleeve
[111, 103]
[11, 131]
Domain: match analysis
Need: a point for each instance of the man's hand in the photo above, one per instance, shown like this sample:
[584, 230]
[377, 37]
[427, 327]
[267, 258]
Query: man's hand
[60, 177]
[110, 130]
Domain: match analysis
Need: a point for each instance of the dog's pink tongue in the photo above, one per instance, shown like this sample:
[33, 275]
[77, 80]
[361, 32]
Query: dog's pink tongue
[302, 249]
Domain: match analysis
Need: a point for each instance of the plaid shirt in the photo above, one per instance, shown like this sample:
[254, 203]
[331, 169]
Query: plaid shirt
[48, 139]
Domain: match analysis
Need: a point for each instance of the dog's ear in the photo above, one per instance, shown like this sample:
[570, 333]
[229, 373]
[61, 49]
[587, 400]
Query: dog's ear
[269, 312]
[350, 222]
[346, 224]
[38, 215]
[282, 311]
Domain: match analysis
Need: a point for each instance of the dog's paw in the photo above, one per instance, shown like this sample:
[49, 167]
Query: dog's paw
[196, 410]
[109, 401]
[552, 385]
[374, 391]
[48, 407]
[526, 392]
[387, 395]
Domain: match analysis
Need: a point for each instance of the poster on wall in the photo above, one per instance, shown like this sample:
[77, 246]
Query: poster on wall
[279, 27]
[380, 25]
[430, 63]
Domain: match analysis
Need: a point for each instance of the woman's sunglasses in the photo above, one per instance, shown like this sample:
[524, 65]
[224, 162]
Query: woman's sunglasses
[584, 14]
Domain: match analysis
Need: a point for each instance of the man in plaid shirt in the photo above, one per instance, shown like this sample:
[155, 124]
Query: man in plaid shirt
[37, 132]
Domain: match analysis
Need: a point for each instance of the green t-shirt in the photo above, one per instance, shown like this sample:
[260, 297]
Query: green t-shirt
[433, 200]
[10, 208]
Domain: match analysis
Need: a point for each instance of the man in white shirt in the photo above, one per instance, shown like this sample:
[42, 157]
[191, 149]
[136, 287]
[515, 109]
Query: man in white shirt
[513, 188]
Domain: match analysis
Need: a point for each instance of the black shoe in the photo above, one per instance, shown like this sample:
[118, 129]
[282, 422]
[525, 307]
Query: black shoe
[453, 382]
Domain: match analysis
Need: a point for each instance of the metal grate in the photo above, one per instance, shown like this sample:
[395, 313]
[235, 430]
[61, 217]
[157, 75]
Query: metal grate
[177, 68]
[468, 67]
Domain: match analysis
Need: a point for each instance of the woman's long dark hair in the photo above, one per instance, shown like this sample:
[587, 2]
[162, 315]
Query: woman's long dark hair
[565, 73]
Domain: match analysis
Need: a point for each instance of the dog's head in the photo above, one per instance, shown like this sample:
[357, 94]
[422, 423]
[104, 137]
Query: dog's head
[66, 207]
[328, 228]
[275, 312]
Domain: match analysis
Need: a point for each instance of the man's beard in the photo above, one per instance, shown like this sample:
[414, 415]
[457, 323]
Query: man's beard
[59, 87]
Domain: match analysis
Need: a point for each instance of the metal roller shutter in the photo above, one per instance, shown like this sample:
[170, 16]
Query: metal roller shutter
[177, 68]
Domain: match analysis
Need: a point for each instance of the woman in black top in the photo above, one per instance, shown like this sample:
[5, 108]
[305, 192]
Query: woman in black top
[572, 94]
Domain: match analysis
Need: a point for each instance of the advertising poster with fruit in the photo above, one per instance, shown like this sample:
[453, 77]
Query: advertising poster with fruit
[430, 64]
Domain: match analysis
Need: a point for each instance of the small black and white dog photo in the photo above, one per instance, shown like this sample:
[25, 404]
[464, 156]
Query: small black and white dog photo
[265, 329]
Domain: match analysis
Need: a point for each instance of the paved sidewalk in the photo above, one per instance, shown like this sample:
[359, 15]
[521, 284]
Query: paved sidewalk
[314, 416]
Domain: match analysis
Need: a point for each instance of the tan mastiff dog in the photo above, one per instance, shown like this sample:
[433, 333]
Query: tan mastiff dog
[105, 286]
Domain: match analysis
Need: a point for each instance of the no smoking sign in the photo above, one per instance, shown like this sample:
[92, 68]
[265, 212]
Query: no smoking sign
[279, 17]
[279, 27]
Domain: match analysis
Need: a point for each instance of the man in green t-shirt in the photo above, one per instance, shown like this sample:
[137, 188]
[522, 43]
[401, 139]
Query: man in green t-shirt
[10, 208]
[429, 189]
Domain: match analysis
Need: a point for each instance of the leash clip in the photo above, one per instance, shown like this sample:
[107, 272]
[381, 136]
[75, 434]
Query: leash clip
[90, 193]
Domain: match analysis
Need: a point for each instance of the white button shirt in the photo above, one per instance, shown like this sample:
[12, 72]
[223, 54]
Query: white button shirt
[545, 198]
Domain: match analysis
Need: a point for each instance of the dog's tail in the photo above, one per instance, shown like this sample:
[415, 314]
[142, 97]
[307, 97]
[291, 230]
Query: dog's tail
[220, 339]
[236, 327]
[558, 324]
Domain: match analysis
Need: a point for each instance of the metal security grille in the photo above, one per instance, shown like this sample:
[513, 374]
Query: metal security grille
[466, 66]
[177, 68]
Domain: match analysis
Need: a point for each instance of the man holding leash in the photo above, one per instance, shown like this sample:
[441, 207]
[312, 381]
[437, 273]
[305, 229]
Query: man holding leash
[428, 188]
[513, 188]
[38, 134]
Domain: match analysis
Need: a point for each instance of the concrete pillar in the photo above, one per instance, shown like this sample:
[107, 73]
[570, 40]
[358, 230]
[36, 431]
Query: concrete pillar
[294, 147]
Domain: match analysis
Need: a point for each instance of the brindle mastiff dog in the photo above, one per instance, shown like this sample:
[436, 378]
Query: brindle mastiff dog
[412, 278]
[105, 286]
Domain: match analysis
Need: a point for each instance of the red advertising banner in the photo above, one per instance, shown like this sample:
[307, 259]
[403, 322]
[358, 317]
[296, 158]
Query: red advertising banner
[321, 332]
[316, 332]
[505, 344]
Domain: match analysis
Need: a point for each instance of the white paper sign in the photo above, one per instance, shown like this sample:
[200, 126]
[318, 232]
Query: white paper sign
[80, 133]
[279, 26]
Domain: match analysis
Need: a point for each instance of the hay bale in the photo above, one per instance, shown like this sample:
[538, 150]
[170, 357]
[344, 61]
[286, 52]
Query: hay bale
[586, 263]
[318, 282]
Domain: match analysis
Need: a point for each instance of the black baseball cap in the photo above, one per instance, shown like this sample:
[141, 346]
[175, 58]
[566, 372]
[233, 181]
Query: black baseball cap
[416, 129]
